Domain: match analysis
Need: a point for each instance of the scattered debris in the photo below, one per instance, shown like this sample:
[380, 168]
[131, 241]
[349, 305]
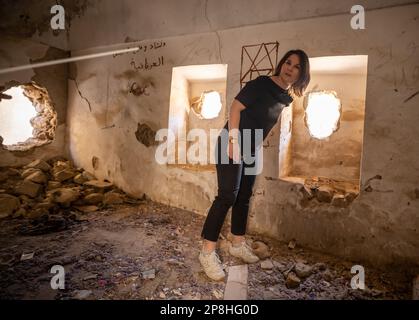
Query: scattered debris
[266, 264]
[292, 281]
[218, 294]
[302, 270]
[291, 244]
[261, 250]
[27, 256]
[82, 294]
[149, 274]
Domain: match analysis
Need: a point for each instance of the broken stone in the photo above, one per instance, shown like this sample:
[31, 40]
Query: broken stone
[65, 195]
[8, 204]
[82, 294]
[28, 188]
[177, 292]
[98, 184]
[37, 177]
[266, 264]
[302, 270]
[87, 209]
[90, 277]
[218, 294]
[29, 171]
[338, 200]
[79, 179]
[93, 198]
[292, 281]
[306, 192]
[45, 205]
[261, 250]
[149, 274]
[113, 198]
[64, 175]
[162, 295]
[325, 193]
[291, 244]
[53, 185]
[281, 267]
[39, 164]
[61, 165]
[27, 256]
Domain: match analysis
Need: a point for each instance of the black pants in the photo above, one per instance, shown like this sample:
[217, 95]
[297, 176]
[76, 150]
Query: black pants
[234, 190]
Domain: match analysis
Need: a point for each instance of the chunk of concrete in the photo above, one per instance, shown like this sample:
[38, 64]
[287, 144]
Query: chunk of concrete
[324, 193]
[292, 281]
[302, 270]
[29, 188]
[8, 204]
[39, 164]
[113, 198]
[37, 177]
[236, 287]
[65, 195]
[98, 184]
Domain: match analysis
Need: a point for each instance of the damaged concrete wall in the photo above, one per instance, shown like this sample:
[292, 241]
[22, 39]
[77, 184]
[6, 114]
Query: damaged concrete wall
[338, 156]
[26, 37]
[16, 52]
[380, 225]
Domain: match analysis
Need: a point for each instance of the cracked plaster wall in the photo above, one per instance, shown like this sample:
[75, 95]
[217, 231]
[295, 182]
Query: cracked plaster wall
[380, 226]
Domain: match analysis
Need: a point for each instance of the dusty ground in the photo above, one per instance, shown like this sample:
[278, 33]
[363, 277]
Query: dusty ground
[146, 250]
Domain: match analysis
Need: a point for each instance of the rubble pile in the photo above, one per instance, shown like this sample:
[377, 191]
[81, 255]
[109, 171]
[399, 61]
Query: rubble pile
[323, 190]
[51, 194]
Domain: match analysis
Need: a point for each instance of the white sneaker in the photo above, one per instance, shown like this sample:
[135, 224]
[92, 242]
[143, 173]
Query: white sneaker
[212, 265]
[243, 252]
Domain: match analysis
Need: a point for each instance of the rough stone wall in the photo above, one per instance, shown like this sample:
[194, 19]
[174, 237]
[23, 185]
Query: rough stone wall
[380, 225]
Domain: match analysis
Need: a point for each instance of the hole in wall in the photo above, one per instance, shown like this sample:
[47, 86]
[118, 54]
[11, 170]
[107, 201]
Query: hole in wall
[322, 114]
[27, 117]
[208, 105]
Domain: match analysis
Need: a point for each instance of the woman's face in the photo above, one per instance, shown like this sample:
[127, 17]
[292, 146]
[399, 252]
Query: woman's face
[290, 70]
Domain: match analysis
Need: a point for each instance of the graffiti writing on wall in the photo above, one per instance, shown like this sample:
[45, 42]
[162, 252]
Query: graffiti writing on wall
[152, 46]
[147, 64]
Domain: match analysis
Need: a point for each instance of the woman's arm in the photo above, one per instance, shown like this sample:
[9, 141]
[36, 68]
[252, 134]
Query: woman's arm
[233, 129]
[234, 119]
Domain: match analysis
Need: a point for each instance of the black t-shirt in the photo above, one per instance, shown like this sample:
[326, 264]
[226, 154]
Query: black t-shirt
[264, 101]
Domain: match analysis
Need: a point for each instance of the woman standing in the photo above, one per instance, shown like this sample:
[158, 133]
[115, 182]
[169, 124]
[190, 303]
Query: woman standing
[257, 106]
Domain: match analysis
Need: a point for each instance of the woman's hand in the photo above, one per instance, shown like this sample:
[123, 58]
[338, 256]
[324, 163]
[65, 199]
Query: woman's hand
[233, 151]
